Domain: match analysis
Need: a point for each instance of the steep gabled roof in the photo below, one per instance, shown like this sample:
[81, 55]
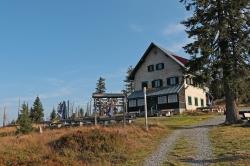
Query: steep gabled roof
[180, 60]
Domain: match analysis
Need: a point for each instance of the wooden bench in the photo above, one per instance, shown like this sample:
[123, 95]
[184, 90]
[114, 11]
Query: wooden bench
[167, 112]
[246, 115]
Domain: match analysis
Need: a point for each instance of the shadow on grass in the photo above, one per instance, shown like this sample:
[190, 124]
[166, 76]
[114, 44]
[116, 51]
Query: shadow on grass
[192, 127]
[6, 134]
[216, 160]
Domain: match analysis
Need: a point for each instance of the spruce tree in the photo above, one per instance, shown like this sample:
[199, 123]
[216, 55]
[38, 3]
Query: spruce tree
[53, 115]
[220, 32]
[37, 111]
[100, 85]
[62, 110]
[24, 120]
[129, 84]
[81, 112]
[100, 88]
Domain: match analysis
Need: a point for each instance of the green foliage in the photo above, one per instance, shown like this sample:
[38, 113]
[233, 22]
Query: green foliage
[100, 85]
[220, 30]
[36, 112]
[129, 84]
[53, 115]
[63, 110]
[100, 88]
[220, 49]
[24, 120]
[81, 112]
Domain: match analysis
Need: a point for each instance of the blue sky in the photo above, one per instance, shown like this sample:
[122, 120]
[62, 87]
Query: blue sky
[57, 49]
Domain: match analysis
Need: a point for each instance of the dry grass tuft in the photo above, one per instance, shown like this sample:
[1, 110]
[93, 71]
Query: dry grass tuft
[89, 145]
[231, 145]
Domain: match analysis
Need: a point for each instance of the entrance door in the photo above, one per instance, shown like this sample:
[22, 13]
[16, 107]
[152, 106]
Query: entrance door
[152, 105]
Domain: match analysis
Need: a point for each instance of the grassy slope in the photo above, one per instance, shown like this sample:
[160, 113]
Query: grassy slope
[231, 145]
[35, 149]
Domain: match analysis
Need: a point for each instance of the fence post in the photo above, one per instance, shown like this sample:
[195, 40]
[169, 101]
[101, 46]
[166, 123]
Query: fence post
[145, 108]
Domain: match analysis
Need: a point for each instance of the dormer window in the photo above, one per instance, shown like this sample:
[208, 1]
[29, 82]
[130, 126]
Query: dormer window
[159, 66]
[151, 68]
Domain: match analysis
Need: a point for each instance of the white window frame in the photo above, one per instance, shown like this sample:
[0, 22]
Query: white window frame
[140, 102]
[172, 98]
[162, 100]
[173, 81]
[157, 83]
[132, 103]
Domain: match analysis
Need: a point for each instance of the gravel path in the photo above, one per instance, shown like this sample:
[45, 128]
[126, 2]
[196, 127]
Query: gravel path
[197, 134]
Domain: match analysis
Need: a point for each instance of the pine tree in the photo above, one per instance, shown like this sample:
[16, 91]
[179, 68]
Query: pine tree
[37, 111]
[24, 120]
[53, 115]
[62, 110]
[220, 30]
[81, 112]
[129, 84]
[100, 85]
[100, 88]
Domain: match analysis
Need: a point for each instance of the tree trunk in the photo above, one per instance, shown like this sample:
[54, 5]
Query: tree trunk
[232, 114]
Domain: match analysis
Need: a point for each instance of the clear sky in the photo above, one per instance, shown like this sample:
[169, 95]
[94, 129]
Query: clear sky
[57, 49]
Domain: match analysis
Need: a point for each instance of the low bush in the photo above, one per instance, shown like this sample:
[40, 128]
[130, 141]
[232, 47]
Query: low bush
[95, 145]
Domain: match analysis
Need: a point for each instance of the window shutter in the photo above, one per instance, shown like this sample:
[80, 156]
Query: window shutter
[161, 82]
[177, 80]
[148, 68]
[168, 81]
[153, 84]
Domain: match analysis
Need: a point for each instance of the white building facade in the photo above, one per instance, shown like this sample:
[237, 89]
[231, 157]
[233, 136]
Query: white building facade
[168, 88]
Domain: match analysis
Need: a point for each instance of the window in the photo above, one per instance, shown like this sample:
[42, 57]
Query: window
[172, 98]
[162, 99]
[196, 101]
[189, 100]
[140, 102]
[160, 66]
[189, 81]
[132, 103]
[144, 84]
[202, 102]
[151, 68]
[157, 83]
[173, 81]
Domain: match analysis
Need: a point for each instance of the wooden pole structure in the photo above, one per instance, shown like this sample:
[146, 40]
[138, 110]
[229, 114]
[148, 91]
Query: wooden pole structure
[145, 108]
[90, 106]
[95, 114]
[124, 110]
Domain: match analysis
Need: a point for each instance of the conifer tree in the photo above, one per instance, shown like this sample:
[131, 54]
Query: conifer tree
[53, 115]
[24, 120]
[36, 113]
[62, 110]
[129, 84]
[81, 112]
[220, 32]
[100, 85]
[100, 88]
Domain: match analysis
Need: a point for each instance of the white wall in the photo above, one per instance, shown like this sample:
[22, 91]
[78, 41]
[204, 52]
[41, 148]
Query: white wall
[194, 92]
[171, 68]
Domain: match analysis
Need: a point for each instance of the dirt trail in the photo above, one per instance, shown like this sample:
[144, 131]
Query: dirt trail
[198, 134]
